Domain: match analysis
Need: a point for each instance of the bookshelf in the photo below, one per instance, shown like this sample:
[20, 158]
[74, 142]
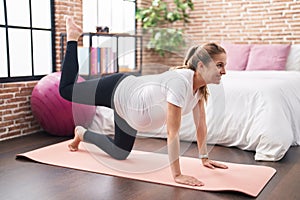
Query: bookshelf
[107, 53]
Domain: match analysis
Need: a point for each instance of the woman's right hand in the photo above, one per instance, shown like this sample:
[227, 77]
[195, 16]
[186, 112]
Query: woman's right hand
[188, 180]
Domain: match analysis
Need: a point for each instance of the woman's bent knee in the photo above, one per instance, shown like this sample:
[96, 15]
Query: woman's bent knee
[65, 93]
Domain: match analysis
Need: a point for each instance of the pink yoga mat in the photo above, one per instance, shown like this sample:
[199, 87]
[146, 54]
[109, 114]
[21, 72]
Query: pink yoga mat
[153, 167]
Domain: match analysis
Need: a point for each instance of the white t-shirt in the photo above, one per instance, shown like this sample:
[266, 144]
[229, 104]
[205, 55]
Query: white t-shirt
[142, 101]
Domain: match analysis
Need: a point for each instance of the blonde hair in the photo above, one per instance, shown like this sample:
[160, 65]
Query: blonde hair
[205, 54]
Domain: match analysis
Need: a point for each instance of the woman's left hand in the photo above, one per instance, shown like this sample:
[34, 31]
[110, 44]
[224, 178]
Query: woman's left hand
[213, 164]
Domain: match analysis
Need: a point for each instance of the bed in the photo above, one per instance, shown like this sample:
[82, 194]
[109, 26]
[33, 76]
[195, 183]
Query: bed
[256, 110]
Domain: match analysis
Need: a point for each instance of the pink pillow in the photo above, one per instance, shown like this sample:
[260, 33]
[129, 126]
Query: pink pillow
[268, 56]
[237, 55]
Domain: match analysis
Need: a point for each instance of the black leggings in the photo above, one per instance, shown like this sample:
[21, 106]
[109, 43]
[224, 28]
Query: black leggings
[98, 92]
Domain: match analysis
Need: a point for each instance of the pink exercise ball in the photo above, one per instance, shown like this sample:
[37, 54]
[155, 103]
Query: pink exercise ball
[56, 115]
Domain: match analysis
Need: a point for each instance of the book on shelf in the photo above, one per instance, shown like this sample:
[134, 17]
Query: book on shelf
[108, 63]
[96, 60]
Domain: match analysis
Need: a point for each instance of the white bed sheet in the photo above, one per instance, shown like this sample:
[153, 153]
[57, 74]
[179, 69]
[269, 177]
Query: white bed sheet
[262, 113]
[251, 110]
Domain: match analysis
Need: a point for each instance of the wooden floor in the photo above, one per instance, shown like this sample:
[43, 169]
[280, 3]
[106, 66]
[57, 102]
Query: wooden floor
[24, 179]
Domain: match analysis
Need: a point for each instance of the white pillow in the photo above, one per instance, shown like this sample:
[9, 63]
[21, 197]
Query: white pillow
[293, 61]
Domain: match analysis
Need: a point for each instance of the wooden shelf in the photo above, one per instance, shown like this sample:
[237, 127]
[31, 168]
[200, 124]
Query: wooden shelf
[90, 72]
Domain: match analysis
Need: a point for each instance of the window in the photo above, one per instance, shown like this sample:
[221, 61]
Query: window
[119, 17]
[26, 29]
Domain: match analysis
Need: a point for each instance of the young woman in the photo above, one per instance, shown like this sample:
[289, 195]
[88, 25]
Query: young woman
[145, 103]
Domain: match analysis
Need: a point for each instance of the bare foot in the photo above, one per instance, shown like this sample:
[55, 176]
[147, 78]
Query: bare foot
[78, 132]
[73, 30]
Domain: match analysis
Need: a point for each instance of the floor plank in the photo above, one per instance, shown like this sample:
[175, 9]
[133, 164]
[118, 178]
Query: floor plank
[24, 179]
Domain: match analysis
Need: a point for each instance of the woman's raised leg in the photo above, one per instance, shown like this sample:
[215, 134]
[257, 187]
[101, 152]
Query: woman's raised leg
[97, 92]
